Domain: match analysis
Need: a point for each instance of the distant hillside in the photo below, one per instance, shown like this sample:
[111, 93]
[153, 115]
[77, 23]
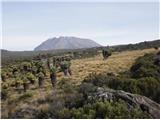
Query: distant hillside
[66, 43]
[12, 56]
[137, 46]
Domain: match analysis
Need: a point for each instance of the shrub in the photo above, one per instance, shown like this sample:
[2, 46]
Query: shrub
[106, 109]
[31, 77]
[4, 94]
[26, 66]
[145, 67]
[64, 114]
[26, 95]
[18, 82]
[3, 75]
[66, 85]
[147, 86]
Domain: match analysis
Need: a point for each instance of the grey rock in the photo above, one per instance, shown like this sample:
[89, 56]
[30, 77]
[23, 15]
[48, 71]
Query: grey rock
[143, 102]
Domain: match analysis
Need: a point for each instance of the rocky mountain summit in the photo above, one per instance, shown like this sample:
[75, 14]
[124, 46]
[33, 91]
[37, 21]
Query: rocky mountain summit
[66, 43]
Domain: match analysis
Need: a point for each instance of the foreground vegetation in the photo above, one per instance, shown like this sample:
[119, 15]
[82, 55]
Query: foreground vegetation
[143, 78]
[69, 100]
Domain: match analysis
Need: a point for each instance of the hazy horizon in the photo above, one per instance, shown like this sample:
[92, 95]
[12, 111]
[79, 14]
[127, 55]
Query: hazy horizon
[27, 24]
[87, 38]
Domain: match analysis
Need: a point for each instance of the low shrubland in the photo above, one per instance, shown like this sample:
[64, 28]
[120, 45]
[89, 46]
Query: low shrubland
[68, 100]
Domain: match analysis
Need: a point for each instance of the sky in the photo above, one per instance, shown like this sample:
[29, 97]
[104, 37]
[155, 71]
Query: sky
[27, 24]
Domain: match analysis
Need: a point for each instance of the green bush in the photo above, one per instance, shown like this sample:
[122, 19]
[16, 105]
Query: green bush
[145, 67]
[103, 110]
[147, 86]
[31, 77]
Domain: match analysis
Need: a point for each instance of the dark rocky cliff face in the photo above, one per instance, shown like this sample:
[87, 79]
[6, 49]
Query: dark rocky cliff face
[66, 43]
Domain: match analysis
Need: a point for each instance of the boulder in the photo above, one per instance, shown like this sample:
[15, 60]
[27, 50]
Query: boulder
[143, 102]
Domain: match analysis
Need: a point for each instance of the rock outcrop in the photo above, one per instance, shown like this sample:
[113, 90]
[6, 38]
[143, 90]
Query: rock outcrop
[143, 102]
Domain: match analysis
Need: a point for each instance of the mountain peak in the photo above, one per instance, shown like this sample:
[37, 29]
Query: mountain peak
[66, 42]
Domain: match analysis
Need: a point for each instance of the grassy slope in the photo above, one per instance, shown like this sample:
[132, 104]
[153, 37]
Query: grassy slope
[118, 62]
